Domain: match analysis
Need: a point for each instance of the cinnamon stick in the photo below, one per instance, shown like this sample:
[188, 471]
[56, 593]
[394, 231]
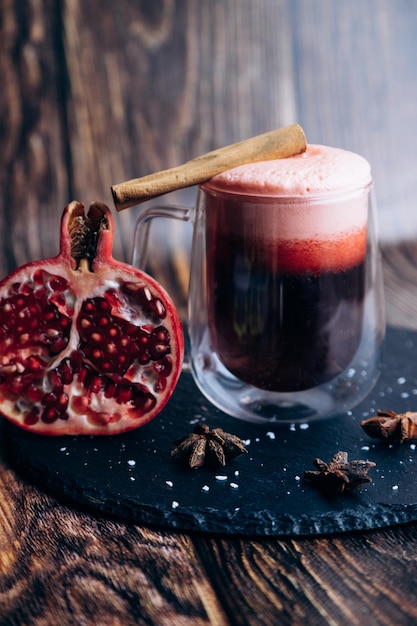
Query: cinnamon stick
[276, 144]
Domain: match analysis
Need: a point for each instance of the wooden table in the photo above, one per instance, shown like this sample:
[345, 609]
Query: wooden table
[94, 93]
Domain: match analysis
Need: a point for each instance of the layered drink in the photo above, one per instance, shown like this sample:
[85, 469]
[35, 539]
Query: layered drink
[286, 244]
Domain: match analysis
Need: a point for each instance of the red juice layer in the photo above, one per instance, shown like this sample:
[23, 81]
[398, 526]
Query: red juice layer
[314, 256]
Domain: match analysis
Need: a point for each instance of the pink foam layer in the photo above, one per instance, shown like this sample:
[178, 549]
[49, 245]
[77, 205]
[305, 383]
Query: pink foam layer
[318, 195]
[319, 170]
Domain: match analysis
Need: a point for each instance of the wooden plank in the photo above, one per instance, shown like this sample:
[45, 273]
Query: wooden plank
[400, 277]
[348, 580]
[33, 172]
[61, 566]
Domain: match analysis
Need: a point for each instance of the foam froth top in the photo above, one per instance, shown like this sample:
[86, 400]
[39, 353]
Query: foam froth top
[319, 170]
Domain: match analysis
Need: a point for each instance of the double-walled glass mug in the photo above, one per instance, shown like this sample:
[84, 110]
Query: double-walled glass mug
[286, 309]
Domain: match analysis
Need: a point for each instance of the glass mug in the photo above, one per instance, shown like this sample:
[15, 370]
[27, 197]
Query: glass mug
[285, 305]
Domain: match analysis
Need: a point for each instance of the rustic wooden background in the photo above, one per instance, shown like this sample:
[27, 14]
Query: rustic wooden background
[96, 92]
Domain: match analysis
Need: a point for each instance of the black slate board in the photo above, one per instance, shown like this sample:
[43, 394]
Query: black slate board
[132, 477]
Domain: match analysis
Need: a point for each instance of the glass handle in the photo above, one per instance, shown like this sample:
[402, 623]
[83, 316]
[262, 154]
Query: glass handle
[141, 236]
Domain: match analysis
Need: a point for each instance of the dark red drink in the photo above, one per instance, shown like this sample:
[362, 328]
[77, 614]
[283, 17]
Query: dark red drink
[284, 314]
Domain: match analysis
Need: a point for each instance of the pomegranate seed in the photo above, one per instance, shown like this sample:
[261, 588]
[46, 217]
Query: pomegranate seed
[121, 359]
[82, 374]
[31, 419]
[55, 379]
[85, 322]
[103, 304]
[66, 372]
[20, 368]
[64, 321]
[149, 403]
[79, 404]
[41, 294]
[161, 334]
[132, 287]
[124, 395]
[49, 315]
[159, 350]
[38, 277]
[150, 303]
[52, 333]
[164, 366]
[160, 385]
[59, 300]
[76, 360]
[26, 289]
[95, 384]
[58, 346]
[134, 350]
[35, 394]
[58, 283]
[89, 305]
[8, 369]
[35, 363]
[145, 294]
[110, 390]
[131, 330]
[114, 332]
[17, 386]
[96, 354]
[160, 309]
[143, 338]
[49, 415]
[49, 399]
[62, 401]
[144, 401]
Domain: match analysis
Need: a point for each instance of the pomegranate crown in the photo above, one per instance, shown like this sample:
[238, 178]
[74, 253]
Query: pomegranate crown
[86, 236]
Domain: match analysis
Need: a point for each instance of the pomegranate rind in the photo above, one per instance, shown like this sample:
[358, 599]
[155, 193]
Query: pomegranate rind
[95, 351]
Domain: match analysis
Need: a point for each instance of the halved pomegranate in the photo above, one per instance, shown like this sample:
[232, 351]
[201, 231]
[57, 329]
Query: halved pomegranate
[88, 345]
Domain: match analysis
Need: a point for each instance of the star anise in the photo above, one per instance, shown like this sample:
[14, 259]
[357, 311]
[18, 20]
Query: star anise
[391, 426]
[208, 447]
[339, 475]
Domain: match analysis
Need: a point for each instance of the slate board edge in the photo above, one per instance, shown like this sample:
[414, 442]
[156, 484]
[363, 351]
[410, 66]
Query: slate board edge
[264, 522]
